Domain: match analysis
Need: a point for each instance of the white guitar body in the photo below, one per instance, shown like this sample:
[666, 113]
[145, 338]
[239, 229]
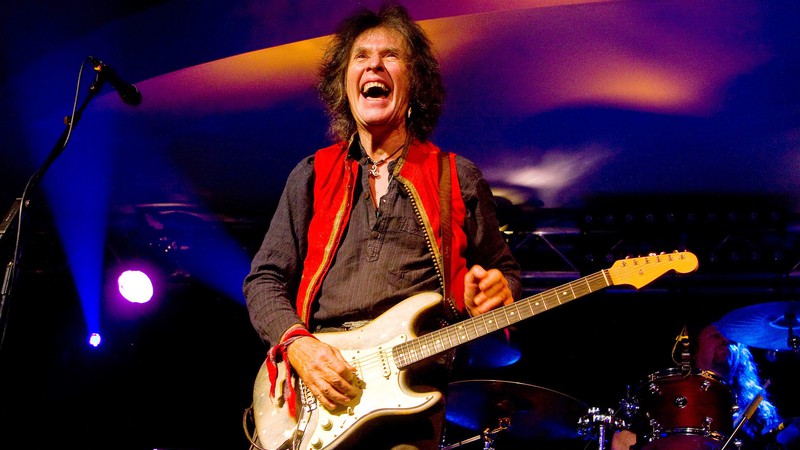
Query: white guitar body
[383, 387]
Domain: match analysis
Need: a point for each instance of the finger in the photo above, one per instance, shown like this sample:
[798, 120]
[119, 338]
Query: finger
[350, 368]
[322, 394]
[325, 389]
[477, 273]
[340, 377]
[492, 278]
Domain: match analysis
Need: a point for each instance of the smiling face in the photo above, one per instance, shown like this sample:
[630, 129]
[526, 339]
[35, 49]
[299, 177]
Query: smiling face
[378, 81]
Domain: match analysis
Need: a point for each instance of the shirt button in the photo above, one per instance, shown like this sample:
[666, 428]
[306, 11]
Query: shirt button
[375, 235]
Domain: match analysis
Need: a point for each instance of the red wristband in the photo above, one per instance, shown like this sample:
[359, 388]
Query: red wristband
[294, 334]
[276, 355]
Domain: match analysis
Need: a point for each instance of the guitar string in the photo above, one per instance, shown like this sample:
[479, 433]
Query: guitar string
[425, 342]
[378, 357]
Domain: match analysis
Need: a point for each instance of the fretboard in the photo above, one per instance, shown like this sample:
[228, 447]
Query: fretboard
[454, 335]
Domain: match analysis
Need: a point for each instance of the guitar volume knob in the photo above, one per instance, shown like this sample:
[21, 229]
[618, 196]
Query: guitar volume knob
[316, 443]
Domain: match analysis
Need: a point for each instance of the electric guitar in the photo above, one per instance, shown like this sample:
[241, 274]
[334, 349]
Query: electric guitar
[385, 347]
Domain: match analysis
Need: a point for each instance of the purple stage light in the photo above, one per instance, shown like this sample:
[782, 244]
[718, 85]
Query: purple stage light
[95, 339]
[135, 286]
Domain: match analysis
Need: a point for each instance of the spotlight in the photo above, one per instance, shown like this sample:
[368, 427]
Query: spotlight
[95, 339]
[135, 286]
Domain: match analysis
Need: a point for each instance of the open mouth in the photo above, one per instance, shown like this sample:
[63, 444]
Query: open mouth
[375, 89]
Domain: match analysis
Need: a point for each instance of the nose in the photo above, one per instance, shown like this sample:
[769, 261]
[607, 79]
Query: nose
[375, 62]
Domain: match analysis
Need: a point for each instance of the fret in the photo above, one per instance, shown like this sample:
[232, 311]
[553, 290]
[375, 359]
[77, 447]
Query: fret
[474, 322]
[491, 325]
[532, 304]
[518, 313]
[398, 355]
[579, 290]
[462, 333]
[446, 331]
[438, 345]
[510, 316]
[499, 319]
[414, 351]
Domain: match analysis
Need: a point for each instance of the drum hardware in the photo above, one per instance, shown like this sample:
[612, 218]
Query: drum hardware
[529, 416]
[596, 426]
[673, 407]
[769, 326]
[487, 436]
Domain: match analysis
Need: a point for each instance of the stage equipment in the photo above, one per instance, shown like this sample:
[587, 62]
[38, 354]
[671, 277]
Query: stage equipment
[770, 326]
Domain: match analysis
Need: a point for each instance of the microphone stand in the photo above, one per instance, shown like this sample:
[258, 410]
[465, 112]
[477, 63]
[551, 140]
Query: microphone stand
[19, 205]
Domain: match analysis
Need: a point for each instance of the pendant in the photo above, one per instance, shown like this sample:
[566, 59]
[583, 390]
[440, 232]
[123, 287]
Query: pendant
[373, 171]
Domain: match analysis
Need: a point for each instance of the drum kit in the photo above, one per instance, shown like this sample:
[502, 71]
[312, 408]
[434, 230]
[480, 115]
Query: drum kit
[678, 408]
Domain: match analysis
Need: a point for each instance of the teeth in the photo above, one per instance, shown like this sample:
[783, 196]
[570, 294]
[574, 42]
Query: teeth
[374, 84]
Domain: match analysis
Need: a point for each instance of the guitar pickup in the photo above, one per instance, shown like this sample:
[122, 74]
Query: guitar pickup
[386, 369]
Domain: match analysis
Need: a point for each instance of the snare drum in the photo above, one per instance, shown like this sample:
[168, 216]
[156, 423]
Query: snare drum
[680, 410]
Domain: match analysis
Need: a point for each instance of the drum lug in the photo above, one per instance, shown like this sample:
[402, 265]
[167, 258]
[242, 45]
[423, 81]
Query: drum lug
[629, 407]
[655, 429]
[654, 389]
[707, 421]
[705, 385]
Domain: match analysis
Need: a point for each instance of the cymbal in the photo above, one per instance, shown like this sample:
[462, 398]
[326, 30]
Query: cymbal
[763, 325]
[490, 352]
[536, 414]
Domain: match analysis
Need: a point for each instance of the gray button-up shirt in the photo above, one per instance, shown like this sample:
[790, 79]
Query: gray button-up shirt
[383, 257]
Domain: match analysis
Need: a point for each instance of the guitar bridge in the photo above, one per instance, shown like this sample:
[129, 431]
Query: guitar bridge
[308, 400]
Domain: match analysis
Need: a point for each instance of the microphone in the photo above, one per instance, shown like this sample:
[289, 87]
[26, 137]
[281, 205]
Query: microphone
[683, 339]
[128, 92]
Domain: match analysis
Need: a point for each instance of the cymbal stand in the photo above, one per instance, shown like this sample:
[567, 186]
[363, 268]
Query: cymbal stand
[487, 436]
[793, 340]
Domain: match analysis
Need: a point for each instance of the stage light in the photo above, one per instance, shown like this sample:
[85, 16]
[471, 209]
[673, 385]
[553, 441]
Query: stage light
[135, 286]
[95, 339]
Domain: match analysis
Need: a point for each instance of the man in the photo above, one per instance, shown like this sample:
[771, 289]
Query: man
[379, 216]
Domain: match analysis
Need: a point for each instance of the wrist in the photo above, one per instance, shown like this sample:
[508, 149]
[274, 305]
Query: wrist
[293, 333]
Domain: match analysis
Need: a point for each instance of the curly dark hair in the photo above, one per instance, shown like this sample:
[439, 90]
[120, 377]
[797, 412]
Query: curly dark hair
[427, 90]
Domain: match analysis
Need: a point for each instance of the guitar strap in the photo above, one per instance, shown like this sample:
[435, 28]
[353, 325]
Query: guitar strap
[445, 191]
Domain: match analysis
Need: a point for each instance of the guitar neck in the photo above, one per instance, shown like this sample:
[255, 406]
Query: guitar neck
[454, 335]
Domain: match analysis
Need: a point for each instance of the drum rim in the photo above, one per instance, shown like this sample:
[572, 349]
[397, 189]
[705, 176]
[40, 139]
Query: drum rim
[678, 372]
[686, 431]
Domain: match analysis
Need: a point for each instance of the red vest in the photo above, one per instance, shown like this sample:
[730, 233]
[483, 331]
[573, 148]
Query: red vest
[334, 183]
